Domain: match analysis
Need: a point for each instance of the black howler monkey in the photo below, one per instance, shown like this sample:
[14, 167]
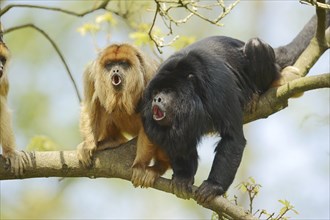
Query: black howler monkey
[204, 88]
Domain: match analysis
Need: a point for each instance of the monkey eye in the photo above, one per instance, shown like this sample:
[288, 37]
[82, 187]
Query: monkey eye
[125, 64]
[3, 60]
[122, 63]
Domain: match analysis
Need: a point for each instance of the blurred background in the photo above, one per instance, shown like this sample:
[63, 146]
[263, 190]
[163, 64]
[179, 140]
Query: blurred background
[288, 153]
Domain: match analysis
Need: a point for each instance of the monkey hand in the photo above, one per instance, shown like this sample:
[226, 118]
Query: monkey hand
[85, 154]
[144, 177]
[17, 160]
[182, 187]
[208, 191]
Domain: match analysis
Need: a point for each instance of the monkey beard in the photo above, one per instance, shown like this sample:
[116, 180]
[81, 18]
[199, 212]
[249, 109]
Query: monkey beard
[123, 99]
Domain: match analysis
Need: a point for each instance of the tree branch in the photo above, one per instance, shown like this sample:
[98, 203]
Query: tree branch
[276, 99]
[52, 42]
[316, 3]
[116, 163]
[112, 163]
[103, 5]
[317, 46]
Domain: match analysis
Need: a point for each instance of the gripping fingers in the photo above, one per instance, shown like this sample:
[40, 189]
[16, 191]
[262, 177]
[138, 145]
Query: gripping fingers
[207, 192]
[18, 161]
[137, 176]
[144, 177]
[150, 177]
[85, 154]
[182, 187]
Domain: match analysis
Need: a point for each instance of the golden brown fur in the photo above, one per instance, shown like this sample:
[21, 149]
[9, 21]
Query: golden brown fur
[113, 86]
[7, 138]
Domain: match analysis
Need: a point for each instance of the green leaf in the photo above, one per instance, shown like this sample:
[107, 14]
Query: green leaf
[88, 28]
[106, 18]
[252, 180]
[286, 203]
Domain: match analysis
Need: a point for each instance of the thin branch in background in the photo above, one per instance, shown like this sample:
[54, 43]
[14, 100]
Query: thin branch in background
[164, 8]
[316, 3]
[103, 5]
[55, 47]
[152, 27]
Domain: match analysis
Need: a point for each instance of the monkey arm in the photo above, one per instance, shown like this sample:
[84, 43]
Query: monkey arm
[16, 159]
[7, 138]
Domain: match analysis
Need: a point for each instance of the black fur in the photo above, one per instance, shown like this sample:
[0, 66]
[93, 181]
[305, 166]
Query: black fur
[204, 88]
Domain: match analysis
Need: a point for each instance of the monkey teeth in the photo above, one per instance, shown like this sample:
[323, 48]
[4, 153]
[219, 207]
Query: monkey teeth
[116, 80]
[158, 114]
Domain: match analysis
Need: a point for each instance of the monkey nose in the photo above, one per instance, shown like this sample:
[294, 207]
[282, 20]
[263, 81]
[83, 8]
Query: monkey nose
[157, 99]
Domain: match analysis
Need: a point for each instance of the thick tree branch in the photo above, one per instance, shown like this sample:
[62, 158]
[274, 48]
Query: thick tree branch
[317, 46]
[276, 99]
[113, 163]
[116, 163]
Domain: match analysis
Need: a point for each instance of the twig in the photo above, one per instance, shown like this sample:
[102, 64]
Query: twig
[316, 3]
[55, 47]
[152, 27]
[103, 5]
[191, 7]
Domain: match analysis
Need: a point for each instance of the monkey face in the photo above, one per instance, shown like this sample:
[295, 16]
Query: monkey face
[174, 95]
[162, 112]
[4, 53]
[119, 77]
[116, 71]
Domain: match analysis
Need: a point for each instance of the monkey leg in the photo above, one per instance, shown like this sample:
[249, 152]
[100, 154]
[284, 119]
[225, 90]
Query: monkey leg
[225, 164]
[85, 153]
[110, 143]
[90, 127]
[158, 169]
[143, 175]
[288, 74]
[16, 159]
[184, 170]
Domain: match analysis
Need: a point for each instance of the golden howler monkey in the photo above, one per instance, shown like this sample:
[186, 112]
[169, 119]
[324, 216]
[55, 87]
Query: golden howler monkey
[113, 86]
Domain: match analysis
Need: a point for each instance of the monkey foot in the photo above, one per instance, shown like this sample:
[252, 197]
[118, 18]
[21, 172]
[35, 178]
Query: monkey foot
[17, 160]
[208, 191]
[85, 155]
[288, 74]
[144, 177]
[182, 187]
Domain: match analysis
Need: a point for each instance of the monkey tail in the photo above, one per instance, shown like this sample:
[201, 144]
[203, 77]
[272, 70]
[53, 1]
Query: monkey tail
[287, 55]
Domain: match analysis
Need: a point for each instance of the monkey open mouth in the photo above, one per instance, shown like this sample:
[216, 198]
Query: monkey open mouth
[158, 113]
[116, 79]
